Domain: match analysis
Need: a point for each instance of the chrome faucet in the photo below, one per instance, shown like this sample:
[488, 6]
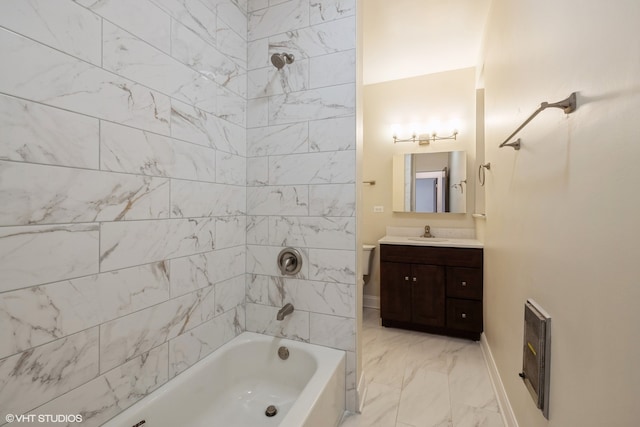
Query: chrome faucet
[427, 231]
[285, 311]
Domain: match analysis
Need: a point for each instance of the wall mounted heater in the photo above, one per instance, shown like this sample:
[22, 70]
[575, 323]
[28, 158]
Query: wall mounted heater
[536, 354]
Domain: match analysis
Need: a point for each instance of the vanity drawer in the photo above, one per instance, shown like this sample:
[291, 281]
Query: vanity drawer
[465, 315]
[464, 282]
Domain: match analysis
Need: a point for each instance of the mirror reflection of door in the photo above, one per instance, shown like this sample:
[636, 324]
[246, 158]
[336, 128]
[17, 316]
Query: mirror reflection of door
[429, 194]
[413, 185]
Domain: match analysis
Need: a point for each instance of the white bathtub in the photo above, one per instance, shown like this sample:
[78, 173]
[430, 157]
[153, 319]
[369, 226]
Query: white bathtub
[233, 386]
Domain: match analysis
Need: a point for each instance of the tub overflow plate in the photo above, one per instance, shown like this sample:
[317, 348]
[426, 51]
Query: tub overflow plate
[283, 353]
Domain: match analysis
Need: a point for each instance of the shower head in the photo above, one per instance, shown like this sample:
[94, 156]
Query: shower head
[279, 60]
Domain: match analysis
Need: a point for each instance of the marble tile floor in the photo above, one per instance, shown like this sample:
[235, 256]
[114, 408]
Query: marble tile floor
[416, 379]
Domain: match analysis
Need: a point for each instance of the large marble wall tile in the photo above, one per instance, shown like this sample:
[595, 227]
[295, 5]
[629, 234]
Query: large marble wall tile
[231, 14]
[278, 19]
[231, 106]
[318, 297]
[128, 56]
[324, 103]
[191, 50]
[334, 167]
[342, 64]
[351, 382]
[125, 244]
[125, 149]
[200, 199]
[202, 128]
[32, 133]
[229, 294]
[32, 255]
[322, 39]
[231, 44]
[332, 134]
[29, 379]
[194, 15]
[258, 54]
[229, 263]
[332, 265]
[264, 260]
[198, 271]
[271, 81]
[257, 230]
[188, 348]
[257, 4]
[243, 5]
[274, 140]
[332, 200]
[278, 200]
[132, 335]
[230, 231]
[333, 331]
[262, 319]
[53, 195]
[41, 314]
[141, 17]
[265, 290]
[313, 232]
[104, 397]
[51, 77]
[329, 10]
[257, 173]
[257, 112]
[191, 273]
[231, 169]
[65, 26]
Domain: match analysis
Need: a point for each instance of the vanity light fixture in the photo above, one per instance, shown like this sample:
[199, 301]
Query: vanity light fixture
[426, 139]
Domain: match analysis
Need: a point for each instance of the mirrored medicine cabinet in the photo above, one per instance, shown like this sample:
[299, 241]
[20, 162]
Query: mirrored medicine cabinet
[430, 182]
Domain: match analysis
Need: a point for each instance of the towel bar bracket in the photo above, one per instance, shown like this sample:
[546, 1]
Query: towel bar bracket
[568, 105]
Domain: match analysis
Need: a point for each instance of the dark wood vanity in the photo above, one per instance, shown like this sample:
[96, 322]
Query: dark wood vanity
[432, 289]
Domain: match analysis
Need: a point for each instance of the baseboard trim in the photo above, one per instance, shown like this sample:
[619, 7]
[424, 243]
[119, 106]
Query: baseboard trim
[508, 417]
[371, 301]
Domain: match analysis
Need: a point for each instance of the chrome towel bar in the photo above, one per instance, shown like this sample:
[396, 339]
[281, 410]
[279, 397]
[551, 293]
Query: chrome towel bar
[568, 105]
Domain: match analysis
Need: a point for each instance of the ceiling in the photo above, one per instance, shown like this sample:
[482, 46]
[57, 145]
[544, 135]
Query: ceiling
[408, 38]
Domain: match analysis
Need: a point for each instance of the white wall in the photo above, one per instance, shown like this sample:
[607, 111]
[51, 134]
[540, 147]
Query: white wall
[441, 95]
[123, 197]
[562, 213]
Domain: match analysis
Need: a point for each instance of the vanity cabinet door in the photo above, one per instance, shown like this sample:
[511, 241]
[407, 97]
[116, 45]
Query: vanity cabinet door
[395, 291]
[428, 295]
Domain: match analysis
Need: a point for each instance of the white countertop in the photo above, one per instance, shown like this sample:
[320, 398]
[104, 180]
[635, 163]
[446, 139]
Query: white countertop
[433, 241]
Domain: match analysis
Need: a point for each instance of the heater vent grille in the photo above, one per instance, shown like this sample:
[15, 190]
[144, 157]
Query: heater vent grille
[536, 354]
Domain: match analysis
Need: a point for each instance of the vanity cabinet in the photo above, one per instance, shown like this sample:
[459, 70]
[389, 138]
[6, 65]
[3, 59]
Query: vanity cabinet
[432, 289]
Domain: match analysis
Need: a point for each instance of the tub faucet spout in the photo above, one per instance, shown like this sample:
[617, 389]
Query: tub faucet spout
[285, 311]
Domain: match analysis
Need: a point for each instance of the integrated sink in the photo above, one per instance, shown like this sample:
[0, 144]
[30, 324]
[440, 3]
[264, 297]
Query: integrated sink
[427, 239]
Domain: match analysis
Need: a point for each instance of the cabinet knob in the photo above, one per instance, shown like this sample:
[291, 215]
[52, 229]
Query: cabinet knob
[406, 278]
[464, 315]
[415, 279]
[464, 283]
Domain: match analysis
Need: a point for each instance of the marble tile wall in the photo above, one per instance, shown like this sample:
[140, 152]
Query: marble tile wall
[301, 172]
[123, 187]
